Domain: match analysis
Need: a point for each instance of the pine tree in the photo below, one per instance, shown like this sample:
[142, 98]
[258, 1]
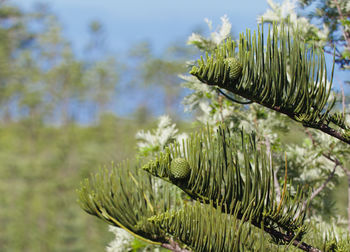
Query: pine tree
[216, 190]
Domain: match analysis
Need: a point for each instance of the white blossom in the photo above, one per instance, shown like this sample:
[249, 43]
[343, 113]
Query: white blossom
[193, 100]
[286, 12]
[165, 132]
[121, 242]
[224, 31]
[216, 37]
[277, 12]
[194, 38]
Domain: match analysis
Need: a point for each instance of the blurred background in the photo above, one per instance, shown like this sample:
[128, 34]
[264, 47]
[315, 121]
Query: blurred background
[78, 79]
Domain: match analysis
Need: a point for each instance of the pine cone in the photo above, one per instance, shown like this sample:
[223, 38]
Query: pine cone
[235, 68]
[179, 169]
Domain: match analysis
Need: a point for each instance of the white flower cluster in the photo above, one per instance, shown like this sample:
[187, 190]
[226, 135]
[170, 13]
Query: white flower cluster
[193, 100]
[286, 12]
[309, 162]
[165, 133]
[224, 31]
[122, 240]
[279, 12]
[216, 37]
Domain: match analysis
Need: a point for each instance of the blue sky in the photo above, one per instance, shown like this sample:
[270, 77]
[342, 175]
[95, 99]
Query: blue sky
[159, 22]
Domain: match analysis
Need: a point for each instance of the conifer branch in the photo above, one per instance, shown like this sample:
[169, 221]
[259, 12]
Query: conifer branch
[123, 197]
[275, 171]
[297, 243]
[223, 179]
[284, 75]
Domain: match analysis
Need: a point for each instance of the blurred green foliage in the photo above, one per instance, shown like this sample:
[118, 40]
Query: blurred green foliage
[45, 151]
[56, 128]
[39, 172]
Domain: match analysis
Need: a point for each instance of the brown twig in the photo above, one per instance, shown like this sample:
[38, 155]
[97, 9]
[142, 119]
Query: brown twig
[319, 189]
[337, 163]
[323, 127]
[346, 34]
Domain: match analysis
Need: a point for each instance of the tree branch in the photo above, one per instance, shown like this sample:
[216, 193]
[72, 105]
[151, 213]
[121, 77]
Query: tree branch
[346, 34]
[318, 190]
[323, 127]
[288, 238]
[320, 126]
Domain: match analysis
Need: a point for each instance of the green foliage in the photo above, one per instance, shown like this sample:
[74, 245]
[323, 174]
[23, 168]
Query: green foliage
[300, 91]
[43, 82]
[223, 233]
[235, 178]
[242, 172]
[298, 87]
[39, 171]
[125, 197]
[46, 91]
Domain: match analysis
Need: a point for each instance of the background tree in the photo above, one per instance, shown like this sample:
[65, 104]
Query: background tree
[45, 149]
